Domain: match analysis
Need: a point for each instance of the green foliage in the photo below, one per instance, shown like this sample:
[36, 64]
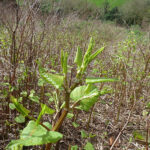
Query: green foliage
[34, 134]
[64, 58]
[33, 97]
[139, 135]
[70, 115]
[24, 93]
[55, 80]
[75, 147]
[46, 6]
[75, 124]
[88, 57]
[20, 119]
[78, 58]
[82, 97]
[85, 95]
[12, 106]
[88, 146]
[20, 2]
[135, 11]
[113, 4]
[20, 107]
[44, 110]
[84, 134]
[98, 80]
[47, 124]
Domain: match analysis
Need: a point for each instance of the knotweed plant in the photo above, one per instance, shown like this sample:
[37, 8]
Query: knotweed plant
[81, 94]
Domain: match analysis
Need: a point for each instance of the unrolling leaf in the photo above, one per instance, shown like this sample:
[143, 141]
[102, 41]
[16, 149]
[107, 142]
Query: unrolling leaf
[34, 134]
[89, 50]
[55, 80]
[98, 80]
[78, 58]
[93, 56]
[87, 55]
[65, 63]
[64, 58]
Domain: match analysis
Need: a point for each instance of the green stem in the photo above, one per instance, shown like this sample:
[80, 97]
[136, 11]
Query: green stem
[57, 126]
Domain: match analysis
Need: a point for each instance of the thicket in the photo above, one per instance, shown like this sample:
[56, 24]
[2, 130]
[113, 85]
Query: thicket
[39, 66]
[131, 12]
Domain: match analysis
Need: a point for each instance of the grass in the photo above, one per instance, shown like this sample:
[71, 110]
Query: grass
[113, 3]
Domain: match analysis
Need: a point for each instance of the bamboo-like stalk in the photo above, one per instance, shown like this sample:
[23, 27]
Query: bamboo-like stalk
[58, 125]
[61, 118]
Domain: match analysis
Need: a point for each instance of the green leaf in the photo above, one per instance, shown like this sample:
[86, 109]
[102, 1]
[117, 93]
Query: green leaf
[48, 125]
[138, 136]
[41, 82]
[19, 107]
[89, 50]
[75, 147]
[34, 134]
[64, 58]
[46, 109]
[20, 2]
[78, 58]
[145, 113]
[16, 147]
[20, 99]
[88, 146]
[56, 80]
[24, 93]
[33, 97]
[92, 135]
[87, 55]
[84, 134]
[75, 124]
[91, 80]
[93, 56]
[86, 95]
[106, 90]
[20, 119]
[12, 106]
[148, 105]
[70, 115]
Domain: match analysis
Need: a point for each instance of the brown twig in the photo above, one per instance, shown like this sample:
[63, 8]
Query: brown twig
[122, 129]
